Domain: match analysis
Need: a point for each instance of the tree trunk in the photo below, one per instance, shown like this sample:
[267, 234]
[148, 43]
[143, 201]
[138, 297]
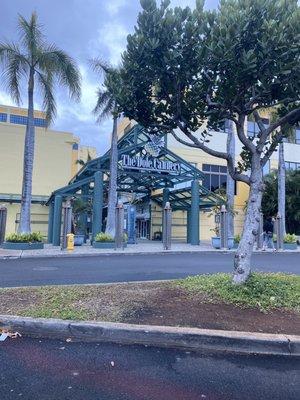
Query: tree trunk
[112, 191]
[25, 210]
[230, 184]
[242, 259]
[281, 185]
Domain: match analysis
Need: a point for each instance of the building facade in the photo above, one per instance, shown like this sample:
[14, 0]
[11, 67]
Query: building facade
[215, 171]
[56, 155]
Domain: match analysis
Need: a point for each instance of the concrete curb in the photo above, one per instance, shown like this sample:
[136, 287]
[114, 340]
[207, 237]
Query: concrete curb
[117, 253]
[158, 336]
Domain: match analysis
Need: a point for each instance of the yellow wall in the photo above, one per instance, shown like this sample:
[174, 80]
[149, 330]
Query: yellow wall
[54, 164]
[39, 218]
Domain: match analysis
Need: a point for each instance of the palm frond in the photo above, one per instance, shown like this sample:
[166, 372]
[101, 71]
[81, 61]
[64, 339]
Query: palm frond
[80, 162]
[60, 64]
[49, 104]
[15, 66]
[100, 66]
[31, 35]
[103, 105]
[107, 110]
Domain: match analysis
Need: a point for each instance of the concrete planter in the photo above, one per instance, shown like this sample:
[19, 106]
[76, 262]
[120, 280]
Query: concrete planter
[216, 242]
[23, 246]
[78, 240]
[105, 245]
[287, 246]
[290, 246]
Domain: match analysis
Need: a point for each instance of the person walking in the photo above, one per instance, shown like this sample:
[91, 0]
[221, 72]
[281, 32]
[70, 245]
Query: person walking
[268, 229]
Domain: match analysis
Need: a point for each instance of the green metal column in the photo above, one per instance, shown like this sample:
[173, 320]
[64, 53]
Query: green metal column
[166, 193]
[97, 203]
[83, 218]
[194, 220]
[57, 220]
[50, 223]
[188, 225]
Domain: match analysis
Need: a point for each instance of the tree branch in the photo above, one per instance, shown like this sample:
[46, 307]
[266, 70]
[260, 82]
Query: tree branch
[241, 134]
[278, 137]
[291, 117]
[202, 146]
[231, 167]
[235, 175]
[259, 122]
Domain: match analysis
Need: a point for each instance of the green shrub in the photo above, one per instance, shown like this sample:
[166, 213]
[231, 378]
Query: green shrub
[290, 238]
[262, 290]
[237, 238]
[103, 237]
[25, 237]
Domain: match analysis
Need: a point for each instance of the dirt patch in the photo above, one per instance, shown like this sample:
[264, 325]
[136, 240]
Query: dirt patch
[145, 303]
[175, 307]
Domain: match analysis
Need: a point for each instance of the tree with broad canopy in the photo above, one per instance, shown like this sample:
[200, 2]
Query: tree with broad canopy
[186, 71]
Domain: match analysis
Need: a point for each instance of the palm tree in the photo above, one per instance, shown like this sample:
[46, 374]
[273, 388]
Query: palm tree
[230, 184]
[40, 64]
[107, 106]
[281, 186]
[287, 132]
[81, 162]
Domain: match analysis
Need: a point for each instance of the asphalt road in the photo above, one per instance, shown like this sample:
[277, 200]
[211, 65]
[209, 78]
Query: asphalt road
[125, 268]
[52, 370]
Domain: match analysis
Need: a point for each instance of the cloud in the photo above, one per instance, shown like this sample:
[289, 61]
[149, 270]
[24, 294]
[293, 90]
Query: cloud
[113, 7]
[112, 37]
[85, 29]
[5, 99]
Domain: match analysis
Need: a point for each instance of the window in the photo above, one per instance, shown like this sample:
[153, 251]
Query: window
[40, 122]
[215, 177]
[21, 120]
[18, 119]
[3, 117]
[75, 146]
[253, 129]
[292, 165]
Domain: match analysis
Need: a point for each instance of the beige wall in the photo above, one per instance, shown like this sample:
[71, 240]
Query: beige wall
[39, 218]
[54, 165]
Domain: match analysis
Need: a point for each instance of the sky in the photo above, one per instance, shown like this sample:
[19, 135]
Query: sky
[84, 29]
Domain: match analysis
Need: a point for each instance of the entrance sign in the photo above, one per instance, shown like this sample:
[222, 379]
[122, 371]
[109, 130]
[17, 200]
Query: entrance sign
[149, 163]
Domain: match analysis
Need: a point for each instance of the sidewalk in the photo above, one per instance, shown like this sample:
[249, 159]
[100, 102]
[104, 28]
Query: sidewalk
[144, 247]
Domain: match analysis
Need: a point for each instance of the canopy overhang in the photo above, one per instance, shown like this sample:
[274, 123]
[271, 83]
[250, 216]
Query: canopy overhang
[141, 181]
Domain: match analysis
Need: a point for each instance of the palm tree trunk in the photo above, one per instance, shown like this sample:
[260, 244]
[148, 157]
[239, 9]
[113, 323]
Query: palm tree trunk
[230, 184]
[281, 185]
[24, 225]
[112, 191]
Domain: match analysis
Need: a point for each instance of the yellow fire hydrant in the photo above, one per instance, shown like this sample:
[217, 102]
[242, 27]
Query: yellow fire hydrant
[70, 241]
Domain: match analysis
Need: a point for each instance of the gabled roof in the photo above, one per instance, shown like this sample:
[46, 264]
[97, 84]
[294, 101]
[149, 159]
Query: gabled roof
[131, 180]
